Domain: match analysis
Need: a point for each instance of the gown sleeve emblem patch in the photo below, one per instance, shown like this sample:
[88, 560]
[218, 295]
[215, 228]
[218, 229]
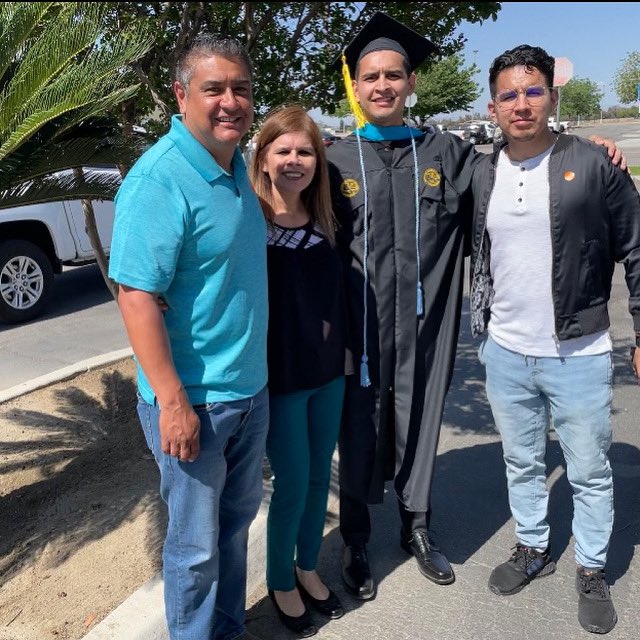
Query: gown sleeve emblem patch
[431, 177]
[349, 187]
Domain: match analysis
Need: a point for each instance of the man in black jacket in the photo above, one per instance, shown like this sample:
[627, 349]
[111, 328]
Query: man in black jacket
[551, 217]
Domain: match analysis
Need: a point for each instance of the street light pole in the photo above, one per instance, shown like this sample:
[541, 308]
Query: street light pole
[603, 86]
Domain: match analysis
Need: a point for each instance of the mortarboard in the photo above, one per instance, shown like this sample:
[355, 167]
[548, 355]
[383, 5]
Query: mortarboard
[383, 33]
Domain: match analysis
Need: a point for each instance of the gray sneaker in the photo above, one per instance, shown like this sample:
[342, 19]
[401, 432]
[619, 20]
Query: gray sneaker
[596, 612]
[523, 566]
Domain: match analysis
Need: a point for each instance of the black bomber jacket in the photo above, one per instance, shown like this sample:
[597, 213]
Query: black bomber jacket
[595, 222]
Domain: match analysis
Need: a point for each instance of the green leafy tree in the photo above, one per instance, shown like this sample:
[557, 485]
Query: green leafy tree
[293, 44]
[627, 78]
[342, 110]
[444, 87]
[580, 97]
[621, 112]
[58, 76]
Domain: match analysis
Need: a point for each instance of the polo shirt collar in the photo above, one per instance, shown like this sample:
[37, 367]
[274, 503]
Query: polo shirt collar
[197, 154]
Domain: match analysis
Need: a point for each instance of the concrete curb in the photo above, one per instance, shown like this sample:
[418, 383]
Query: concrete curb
[66, 373]
[141, 615]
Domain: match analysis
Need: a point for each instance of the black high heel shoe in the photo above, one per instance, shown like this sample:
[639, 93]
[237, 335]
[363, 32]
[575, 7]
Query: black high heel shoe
[330, 606]
[302, 625]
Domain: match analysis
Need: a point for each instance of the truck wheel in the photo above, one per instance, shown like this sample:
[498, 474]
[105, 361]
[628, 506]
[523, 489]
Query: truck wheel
[26, 281]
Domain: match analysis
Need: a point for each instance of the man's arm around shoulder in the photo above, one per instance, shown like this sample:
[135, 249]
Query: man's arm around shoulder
[623, 201]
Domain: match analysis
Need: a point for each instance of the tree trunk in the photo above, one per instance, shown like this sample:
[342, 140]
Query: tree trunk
[94, 238]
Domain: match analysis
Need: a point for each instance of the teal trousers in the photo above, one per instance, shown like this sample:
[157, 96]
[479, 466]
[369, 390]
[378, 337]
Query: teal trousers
[303, 430]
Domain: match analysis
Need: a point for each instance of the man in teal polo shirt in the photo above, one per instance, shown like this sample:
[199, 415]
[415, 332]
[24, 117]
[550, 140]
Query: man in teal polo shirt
[190, 229]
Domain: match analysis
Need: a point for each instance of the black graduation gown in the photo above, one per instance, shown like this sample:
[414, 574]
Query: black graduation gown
[391, 429]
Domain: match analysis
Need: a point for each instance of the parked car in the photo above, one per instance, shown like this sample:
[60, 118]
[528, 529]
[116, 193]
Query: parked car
[498, 138]
[491, 129]
[457, 130]
[328, 138]
[35, 241]
[558, 127]
[476, 134]
[433, 126]
[489, 126]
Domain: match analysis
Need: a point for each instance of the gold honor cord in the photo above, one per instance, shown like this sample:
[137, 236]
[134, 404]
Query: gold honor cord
[354, 105]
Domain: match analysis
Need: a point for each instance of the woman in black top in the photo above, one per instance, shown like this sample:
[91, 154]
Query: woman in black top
[306, 358]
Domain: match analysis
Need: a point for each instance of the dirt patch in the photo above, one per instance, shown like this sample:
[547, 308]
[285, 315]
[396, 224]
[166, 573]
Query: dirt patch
[81, 521]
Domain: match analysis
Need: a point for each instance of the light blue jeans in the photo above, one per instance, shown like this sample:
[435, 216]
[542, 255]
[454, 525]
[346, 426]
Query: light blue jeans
[211, 502]
[575, 392]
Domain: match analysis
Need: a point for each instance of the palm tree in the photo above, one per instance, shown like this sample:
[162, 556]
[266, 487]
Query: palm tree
[56, 73]
[59, 77]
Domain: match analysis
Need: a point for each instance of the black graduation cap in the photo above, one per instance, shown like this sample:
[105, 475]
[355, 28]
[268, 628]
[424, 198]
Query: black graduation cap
[383, 33]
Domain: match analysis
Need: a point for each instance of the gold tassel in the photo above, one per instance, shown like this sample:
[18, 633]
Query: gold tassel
[354, 105]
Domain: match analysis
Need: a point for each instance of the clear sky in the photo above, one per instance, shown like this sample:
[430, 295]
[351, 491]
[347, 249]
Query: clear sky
[595, 36]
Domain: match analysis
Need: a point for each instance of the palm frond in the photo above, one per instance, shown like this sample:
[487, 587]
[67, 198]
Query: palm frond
[57, 71]
[30, 126]
[58, 80]
[97, 183]
[86, 148]
[49, 55]
[18, 20]
[102, 105]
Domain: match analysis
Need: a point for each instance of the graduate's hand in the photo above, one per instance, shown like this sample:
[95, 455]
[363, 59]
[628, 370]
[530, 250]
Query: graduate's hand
[616, 155]
[635, 361]
[161, 302]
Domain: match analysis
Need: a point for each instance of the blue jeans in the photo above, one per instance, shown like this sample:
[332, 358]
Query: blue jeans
[575, 392]
[302, 437]
[211, 502]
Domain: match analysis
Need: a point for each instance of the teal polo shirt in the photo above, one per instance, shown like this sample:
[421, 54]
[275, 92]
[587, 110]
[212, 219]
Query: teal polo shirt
[190, 231]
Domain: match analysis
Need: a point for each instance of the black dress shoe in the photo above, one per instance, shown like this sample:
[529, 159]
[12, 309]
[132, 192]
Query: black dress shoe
[431, 561]
[302, 625]
[356, 574]
[330, 606]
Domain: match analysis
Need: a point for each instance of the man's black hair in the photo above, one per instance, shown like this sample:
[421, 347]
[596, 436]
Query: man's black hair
[524, 54]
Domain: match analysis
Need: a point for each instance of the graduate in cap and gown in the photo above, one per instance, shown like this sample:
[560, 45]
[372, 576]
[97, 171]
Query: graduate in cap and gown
[403, 201]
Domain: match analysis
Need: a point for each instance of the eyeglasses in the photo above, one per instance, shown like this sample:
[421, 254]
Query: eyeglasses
[532, 95]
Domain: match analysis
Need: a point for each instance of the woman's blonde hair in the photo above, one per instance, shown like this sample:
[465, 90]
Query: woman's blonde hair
[316, 197]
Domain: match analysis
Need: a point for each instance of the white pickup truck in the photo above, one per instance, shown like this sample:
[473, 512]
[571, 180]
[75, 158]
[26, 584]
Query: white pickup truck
[558, 127]
[35, 241]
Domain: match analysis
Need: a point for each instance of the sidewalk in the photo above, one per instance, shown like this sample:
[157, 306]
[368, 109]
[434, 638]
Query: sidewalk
[472, 524]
